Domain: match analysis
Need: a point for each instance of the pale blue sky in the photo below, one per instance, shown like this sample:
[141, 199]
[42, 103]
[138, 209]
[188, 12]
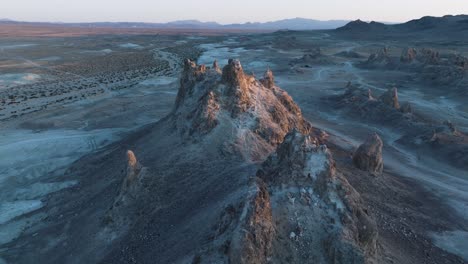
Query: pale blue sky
[225, 11]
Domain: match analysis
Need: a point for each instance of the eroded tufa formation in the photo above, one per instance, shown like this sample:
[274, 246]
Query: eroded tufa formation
[256, 114]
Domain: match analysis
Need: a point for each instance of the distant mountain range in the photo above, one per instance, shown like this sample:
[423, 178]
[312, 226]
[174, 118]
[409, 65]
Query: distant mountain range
[445, 24]
[437, 25]
[291, 24]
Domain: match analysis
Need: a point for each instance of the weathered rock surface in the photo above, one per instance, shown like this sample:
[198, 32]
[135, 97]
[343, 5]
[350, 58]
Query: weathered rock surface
[368, 156]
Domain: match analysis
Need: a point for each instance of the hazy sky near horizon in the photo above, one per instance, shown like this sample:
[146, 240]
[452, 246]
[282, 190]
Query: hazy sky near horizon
[233, 11]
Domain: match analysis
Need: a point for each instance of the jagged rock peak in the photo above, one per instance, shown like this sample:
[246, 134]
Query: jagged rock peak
[390, 98]
[233, 73]
[268, 79]
[368, 156]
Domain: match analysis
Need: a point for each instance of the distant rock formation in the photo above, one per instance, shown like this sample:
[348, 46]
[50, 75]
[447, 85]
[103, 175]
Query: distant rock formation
[390, 98]
[379, 59]
[428, 56]
[255, 114]
[368, 156]
[408, 55]
[349, 54]
[312, 57]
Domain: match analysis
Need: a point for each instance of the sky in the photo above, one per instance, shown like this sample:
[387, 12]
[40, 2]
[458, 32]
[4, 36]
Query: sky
[222, 11]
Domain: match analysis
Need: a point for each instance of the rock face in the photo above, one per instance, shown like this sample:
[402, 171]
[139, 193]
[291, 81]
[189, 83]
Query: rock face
[368, 156]
[255, 115]
[390, 98]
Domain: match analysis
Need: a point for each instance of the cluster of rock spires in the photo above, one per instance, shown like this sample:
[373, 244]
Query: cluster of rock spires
[418, 131]
[211, 101]
[409, 55]
[433, 67]
[363, 103]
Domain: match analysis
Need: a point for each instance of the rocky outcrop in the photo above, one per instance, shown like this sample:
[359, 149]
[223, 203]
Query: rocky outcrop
[368, 156]
[390, 98]
[253, 115]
